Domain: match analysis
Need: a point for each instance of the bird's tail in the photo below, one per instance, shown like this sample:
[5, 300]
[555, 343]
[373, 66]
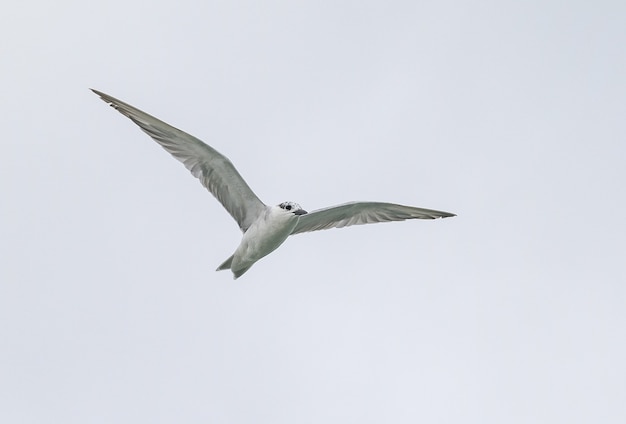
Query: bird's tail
[236, 272]
[226, 264]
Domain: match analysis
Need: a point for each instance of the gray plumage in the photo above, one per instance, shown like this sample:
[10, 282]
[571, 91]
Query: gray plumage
[264, 227]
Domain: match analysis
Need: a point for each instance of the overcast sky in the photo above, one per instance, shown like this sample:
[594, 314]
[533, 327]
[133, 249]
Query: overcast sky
[510, 114]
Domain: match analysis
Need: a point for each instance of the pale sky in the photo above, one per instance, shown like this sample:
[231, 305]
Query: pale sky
[510, 114]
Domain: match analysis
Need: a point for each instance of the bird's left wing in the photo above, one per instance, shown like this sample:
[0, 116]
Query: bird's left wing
[214, 170]
[358, 213]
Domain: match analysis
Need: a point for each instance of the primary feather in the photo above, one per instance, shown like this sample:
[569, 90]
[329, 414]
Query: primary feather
[358, 213]
[213, 169]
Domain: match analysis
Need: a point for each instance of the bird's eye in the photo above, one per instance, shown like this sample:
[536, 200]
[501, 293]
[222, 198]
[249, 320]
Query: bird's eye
[288, 207]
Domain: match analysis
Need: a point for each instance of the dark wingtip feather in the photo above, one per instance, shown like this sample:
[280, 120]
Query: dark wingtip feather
[99, 93]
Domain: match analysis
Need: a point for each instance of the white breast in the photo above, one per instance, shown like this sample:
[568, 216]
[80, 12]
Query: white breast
[268, 232]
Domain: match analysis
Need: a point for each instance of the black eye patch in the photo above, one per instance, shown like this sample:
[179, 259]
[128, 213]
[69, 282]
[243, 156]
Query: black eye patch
[288, 207]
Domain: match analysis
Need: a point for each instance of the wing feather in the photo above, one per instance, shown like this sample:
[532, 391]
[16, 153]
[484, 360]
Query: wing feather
[359, 213]
[213, 169]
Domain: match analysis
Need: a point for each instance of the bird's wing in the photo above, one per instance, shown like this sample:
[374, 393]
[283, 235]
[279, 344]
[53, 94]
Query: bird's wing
[213, 169]
[358, 213]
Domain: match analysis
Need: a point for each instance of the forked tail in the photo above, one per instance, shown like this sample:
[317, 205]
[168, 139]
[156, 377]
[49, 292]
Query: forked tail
[226, 264]
[236, 272]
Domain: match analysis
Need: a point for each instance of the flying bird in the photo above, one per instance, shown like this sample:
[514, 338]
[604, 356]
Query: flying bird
[264, 227]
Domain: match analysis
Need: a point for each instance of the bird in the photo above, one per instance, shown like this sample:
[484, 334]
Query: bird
[264, 227]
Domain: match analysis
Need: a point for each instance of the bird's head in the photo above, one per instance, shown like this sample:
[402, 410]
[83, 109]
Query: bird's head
[292, 207]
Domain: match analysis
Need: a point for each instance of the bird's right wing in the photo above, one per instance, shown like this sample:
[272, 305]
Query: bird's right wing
[358, 213]
[213, 169]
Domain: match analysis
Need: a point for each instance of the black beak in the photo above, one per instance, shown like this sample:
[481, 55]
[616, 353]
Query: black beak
[300, 212]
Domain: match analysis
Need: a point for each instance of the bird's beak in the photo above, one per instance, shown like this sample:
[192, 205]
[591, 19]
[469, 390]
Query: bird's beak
[300, 212]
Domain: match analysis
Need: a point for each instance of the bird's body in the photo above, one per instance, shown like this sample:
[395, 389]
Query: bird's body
[264, 236]
[264, 227]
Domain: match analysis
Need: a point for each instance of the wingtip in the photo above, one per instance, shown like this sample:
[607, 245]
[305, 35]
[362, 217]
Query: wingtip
[101, 95]
[110, 100]
[442, 215]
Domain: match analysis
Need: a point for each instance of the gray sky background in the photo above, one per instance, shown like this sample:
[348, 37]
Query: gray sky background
[510, 114]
